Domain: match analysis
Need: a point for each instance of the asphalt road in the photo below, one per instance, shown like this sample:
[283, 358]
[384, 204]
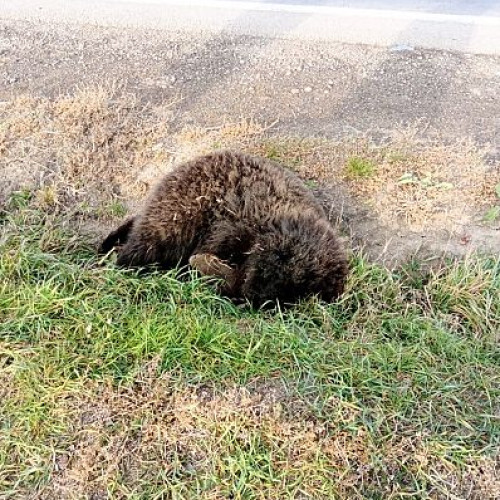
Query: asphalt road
[472, 27]
[315, 87]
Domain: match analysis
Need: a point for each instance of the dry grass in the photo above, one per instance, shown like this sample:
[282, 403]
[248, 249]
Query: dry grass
[429, 187]
[94, 145]
[203, 432]
[100, 144]
[157, 437]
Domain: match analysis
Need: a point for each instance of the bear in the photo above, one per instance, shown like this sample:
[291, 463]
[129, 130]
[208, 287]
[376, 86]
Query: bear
[245, 220]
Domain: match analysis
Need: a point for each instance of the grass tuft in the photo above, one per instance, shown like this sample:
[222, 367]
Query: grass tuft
[359, 167]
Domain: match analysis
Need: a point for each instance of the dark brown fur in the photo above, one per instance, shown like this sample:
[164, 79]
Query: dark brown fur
[252, 214]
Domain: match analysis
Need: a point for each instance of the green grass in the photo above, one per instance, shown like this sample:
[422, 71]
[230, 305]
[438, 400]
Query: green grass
[492, 214]
[359, 167]
[407, 363]
[113, 209]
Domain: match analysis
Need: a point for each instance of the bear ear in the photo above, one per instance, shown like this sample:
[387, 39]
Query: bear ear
[208, 264]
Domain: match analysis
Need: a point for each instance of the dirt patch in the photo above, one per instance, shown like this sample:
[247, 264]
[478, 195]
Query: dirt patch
[198, 431]
[97, 151]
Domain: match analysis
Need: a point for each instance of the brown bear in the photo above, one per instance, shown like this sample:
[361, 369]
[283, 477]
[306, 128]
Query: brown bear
[245, 220]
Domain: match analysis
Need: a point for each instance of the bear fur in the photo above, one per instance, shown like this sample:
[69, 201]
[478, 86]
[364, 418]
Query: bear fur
[246, 220]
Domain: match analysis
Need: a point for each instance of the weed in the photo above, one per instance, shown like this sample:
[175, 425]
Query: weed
[359, 167]
[492, 214]
[20, 199]
[112, 209]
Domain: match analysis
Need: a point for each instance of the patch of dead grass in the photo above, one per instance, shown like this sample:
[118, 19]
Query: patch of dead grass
[192, 141]
[91, 145]
[100, 143]
[429, 187]
[204, 441]
[134, 436]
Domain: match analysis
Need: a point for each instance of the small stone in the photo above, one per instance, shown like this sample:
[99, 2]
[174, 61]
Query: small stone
[295, 91]
[308, 89]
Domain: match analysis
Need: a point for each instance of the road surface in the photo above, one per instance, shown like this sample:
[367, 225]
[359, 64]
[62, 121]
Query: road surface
[472, 26]
[229, 59]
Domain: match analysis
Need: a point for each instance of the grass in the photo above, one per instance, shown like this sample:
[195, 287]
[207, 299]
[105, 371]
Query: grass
[493, 213]
[100, 143]
[114, 385]
[359, 167]
[119, 386]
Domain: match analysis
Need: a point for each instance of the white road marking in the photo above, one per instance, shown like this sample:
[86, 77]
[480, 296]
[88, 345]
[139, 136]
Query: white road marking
[406, 15]
[473, 32]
